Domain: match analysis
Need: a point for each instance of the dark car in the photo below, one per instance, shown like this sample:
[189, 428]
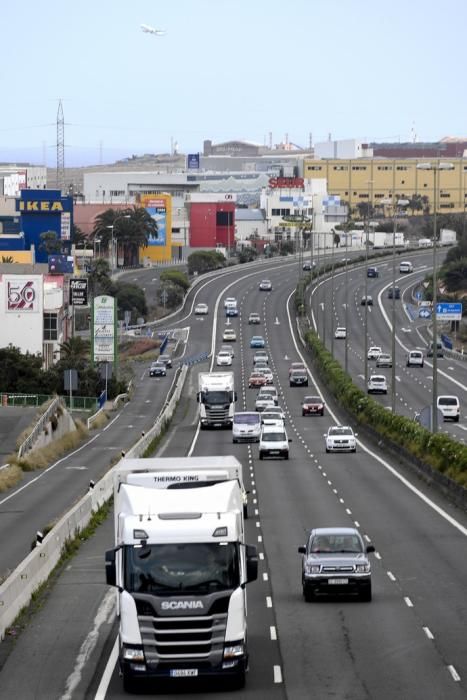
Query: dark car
[312, 405]
[298, 377]
[308, 266]
[157, 369]
[372, 272]
[367, 300]
[396, 293]
[335, 562]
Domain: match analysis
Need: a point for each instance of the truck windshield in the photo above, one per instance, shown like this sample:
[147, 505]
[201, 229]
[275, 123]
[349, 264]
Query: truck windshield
[217, 397]
[200, 567]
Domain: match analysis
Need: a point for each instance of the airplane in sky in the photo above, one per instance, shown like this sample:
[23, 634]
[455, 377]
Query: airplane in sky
[150, 30]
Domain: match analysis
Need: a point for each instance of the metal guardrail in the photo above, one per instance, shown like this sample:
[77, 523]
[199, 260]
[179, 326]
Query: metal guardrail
[28, 443]
[194, 359]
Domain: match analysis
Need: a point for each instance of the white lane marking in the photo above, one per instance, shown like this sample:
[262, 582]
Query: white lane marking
[454, 673]
[377, 555]
[265, 577]
[101, 692]
[273, 633]
[428, 632]
[260, 538]
[408, 602]
[268, 601]
[4, 466]
[277, 674]
[391, 575]
[348, 511]
[357, 524]
[256, 511]
[258, 524]
[379, 459]
[261, 555]
[105, 613]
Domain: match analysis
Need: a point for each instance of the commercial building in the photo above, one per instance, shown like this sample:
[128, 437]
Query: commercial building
[374, 180]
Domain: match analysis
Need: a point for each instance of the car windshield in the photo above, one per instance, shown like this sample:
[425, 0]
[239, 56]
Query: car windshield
[336, 543]
[274, 437]
[340, 431]
[165, 568]
[312, 399]
[246, 419]
[447, 401]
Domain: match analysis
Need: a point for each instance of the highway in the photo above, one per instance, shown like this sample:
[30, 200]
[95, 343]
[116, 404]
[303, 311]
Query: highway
[408, 642]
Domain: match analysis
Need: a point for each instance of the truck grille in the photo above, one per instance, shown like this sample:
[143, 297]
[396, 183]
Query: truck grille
[185, 637]
[337, 569]
[218, 413]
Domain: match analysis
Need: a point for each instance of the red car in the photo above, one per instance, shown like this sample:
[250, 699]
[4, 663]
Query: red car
[312, 405]
[257, 380]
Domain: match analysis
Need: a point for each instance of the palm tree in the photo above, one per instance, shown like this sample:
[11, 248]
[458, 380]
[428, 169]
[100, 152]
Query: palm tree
[74, 351]
[50, 243]
[132, 228]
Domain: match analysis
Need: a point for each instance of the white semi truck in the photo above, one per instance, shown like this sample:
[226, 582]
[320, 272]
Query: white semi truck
[181, 473]
[216, 397]
[180, 566]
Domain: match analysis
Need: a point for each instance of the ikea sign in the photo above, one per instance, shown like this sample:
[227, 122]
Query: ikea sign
[42, 206]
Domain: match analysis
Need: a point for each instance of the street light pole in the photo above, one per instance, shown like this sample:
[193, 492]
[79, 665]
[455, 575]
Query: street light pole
[436, 168]
[113, 241]
[365, 324]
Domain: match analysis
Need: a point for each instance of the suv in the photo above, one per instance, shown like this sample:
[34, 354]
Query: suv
[405, 266]
[372, 272]
[449, 407]
[157, 369]
[298, 377]
[374, 352]
[340, 438]
[377, 384]
[439, 349]
[335, 561]
[274, 441]
[415, 358]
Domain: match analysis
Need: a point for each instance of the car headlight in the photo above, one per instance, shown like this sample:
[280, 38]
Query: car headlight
[363, 568]
[133, 654]
[233, 651]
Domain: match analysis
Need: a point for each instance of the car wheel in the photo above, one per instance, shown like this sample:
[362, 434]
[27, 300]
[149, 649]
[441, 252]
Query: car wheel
[322, 412]
[308, 594]
[354, 449]
[303, 413]
[234, 441]
[365, 596]
[306, 383]
[286, 455]
[245, 512]
[327, 450]
[456, 419]
[421, 365]
[261, 455]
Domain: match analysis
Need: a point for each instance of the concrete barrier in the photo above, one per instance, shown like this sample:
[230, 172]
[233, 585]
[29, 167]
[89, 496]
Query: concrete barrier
[16, 591]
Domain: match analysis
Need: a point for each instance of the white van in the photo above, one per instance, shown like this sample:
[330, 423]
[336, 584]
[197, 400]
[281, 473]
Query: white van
[246, 426]
[405, 266]
[274, 442]
[449, 407]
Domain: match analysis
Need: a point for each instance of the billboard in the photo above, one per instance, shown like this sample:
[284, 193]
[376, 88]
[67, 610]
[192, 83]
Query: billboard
[78, 292]
[61, 264]
[159, 207]
[22, 294]
[192, 161]
[104, 329]
[21, 311]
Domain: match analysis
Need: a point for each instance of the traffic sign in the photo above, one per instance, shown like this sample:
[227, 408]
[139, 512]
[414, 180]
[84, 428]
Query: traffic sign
[418, 295]
[448, 311]
[424, 312]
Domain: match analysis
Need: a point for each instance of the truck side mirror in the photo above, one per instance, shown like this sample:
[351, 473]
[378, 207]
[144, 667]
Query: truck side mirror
[198, 396]
[235, 396]
[302, 549]
[110, 568]
[251, 563]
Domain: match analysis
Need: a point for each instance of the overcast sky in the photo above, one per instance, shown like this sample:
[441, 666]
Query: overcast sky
[226, 70]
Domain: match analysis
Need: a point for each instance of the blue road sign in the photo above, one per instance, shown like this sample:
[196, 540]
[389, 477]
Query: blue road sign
[424, 312]
[449, 311]
[418, 295]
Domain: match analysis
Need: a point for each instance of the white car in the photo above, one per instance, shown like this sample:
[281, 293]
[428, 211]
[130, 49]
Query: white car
[274, 441]
[263, 403]
[246, 426]
[229, 334]
[374, 352]
[201, 309]
[384, 360]
[266, 372]
[377, 384]
[274, 412]
[260, 356]
[228, 348]
[265, 286]
[224, 358]
[228, 301]
[405, 266]
[340, 438]
[340, 332]
[269, 391]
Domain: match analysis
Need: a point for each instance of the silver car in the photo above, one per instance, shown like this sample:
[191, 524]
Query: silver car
[335, 562]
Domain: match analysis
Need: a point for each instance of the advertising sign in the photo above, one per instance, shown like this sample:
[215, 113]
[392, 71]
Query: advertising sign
[157, 209]
[61, 264]
[104, 329]
[22, 294]
[65, 226]
[192, 161]
[78, 292]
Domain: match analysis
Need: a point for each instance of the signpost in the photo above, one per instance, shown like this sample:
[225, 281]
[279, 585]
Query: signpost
[448, 311]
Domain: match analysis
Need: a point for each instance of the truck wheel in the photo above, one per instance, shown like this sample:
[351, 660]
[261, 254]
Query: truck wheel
[245, 512]
[238, 681]
[129, 684]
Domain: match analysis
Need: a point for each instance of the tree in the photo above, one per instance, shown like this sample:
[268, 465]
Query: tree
[50, 243]
[74, 352]
[132, 229]
[247, 254]
[131, 298]
[204, 261]
[78, 237]
[454, 275]
[99, 278]
[176, 277]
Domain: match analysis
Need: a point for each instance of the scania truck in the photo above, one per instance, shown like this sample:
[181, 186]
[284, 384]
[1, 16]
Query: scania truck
[216, 397]
[180, 566]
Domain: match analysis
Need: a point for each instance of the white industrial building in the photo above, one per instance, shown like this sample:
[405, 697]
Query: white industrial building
[346, 148]
[14, 178]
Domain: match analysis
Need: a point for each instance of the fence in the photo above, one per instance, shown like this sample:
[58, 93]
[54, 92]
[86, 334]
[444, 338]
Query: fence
[28, 443]
[17, 590]
[78, 403]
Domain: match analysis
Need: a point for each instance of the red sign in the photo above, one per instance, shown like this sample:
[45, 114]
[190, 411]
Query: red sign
[285, 182]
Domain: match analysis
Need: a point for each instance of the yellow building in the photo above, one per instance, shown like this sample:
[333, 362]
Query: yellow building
[375, 179]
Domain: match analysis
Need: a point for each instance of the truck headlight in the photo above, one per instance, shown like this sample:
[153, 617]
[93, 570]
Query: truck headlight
[133, 654]
[363, 568]
[311, 569]
[233, 651]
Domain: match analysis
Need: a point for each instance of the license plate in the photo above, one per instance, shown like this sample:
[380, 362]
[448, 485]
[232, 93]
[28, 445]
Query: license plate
[183, 672]
[338, 581]
[274, 452]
